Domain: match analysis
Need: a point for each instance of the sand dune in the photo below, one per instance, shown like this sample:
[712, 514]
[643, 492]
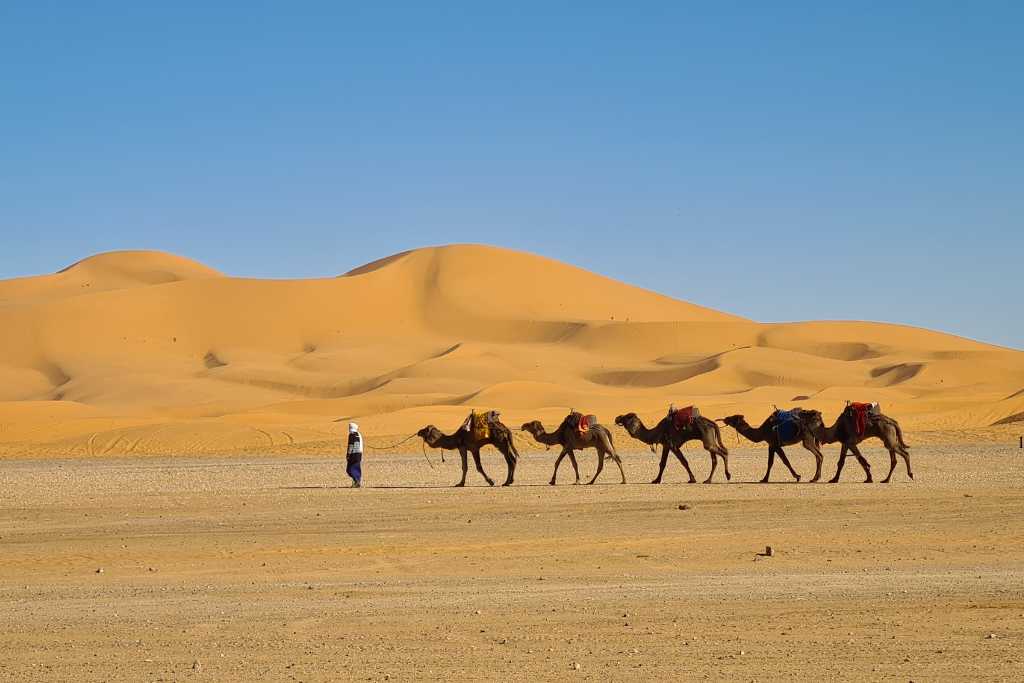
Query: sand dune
[145, 352]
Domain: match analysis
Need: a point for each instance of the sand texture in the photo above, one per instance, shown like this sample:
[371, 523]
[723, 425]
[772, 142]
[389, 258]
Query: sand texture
[241, 569]
[145, 353]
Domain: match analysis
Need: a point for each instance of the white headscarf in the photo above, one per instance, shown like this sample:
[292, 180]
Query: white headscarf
[353, 428]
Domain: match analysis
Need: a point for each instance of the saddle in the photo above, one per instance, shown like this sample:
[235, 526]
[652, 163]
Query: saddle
[479, 424]
[582, 423]
[786, 424]
[682, 418]
[862, 412]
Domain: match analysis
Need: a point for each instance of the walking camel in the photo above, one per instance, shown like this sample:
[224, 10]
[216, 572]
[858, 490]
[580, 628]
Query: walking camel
[464, 441]
[570, 439]
[671, 439]
[878, 426]
[810, 427]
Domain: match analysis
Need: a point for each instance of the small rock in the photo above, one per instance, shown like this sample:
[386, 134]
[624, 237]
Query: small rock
[991, 636]
[197, 666]
[575, 666]
[476, 612]
[100, 570]
[684, 507]
[503, 641]
[769, 551]
[742, 652]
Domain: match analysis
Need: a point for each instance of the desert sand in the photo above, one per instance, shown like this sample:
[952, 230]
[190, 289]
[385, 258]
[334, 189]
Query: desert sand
[173, 506]
[145, 353]
[225, 569]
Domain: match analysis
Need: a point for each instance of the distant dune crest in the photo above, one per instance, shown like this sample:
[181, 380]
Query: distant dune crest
[161, 353]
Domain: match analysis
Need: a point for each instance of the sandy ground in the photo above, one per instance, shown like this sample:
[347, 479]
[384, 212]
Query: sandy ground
[269, 568]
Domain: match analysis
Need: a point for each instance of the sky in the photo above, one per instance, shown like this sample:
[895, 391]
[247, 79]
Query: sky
[780, 161]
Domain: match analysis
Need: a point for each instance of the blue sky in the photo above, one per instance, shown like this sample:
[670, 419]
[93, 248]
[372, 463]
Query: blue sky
[782, 161]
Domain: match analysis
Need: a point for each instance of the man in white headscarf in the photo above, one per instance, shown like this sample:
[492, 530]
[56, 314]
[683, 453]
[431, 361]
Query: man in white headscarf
[354, 464]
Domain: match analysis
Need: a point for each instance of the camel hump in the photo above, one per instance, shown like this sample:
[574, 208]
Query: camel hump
[787, 424]
[684, 417]
[580, 422]
[480, 426]
[862, 414]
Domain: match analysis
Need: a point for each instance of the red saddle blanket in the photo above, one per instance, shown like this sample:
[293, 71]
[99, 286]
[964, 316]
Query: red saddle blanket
[684, 417]
[860, 416]
[586, 422]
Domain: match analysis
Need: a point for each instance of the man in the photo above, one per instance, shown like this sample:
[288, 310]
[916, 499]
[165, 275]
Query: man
[354, 465]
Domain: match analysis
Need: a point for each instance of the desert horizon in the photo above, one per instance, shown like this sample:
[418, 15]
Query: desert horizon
[148, 353]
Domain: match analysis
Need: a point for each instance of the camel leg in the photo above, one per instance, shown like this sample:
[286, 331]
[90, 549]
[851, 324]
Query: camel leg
[465, 466]
[714, 466]
[686, 464]
[785, 461]
[600, 465]
[892, 466]
[558, 461]
[480, 468]
[663, 463]
[839, 465]
[618, 461]
[725, 462]
[906, 459]
[818, 458]
[510, 462]
[771, 461]
[575, 466]
[863, 463]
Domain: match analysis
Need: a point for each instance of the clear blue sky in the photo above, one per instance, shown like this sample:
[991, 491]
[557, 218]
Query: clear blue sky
[790, 160]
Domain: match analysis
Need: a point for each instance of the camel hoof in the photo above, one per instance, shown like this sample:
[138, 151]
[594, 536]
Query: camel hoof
[798, 478]
[815, 479]
[591, 482]
[708, 480]
[764, 481]
[869, 480]
[551, 483]
[460, 484]
[656, 481]
[577, 483]
[507, 483]
[490, 482]
[833, 481]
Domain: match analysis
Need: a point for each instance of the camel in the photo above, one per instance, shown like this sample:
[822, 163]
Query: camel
[671, 439]
[807, 435]
[570, 439]
[881, 427]
[464, 442]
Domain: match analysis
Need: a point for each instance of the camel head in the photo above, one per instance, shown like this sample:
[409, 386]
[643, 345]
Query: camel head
[814, 422]
[734, 421]
[430, 434]
[533, 427]
[630, 422]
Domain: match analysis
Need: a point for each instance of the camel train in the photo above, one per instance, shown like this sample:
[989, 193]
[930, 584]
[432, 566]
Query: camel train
[856, 423]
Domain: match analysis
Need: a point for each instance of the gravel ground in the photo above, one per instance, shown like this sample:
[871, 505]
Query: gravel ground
[271, 568]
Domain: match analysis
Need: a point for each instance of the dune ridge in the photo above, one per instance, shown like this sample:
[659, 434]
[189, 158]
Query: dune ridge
[141, 352]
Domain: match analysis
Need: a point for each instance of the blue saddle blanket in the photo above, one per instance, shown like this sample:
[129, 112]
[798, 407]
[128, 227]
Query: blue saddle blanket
[787, 424]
